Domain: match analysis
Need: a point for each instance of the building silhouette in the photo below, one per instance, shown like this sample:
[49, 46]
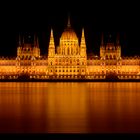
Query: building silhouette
[69, 60]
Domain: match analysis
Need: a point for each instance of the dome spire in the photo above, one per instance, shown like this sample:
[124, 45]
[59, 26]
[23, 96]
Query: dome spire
[68, 25]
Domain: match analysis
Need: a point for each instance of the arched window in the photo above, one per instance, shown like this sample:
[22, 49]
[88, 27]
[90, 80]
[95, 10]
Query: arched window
[68, 51]
[77, 61]
[71, 51]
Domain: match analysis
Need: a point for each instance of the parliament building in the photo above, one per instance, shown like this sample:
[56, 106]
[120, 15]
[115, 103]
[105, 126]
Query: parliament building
[69, 60]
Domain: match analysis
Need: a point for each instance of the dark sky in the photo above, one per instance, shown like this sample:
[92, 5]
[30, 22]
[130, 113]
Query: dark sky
[28, 17]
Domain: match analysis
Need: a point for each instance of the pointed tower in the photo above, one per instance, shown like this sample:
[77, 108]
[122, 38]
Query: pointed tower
[19, 46]
[83, 45]
[102, 39]
[109, 37]
[102, 47]
[23, 40]
[19, 42]
[36, 49]
[118, 40]
[51, 51]
[118, 47]
[35, 40]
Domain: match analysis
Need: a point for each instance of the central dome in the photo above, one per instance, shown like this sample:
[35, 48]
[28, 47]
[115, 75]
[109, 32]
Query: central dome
[69, 33]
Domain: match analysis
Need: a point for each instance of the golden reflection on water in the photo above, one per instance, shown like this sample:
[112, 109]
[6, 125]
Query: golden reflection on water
[69, 107]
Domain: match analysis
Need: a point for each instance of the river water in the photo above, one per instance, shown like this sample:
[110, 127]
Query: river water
[69, 107]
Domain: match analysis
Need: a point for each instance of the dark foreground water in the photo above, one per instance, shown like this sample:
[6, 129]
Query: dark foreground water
[69, 107]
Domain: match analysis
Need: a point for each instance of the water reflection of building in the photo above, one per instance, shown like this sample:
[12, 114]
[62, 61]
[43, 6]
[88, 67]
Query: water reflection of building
[69, 60]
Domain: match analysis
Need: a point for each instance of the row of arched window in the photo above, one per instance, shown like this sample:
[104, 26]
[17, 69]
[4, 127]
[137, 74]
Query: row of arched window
[77, 70]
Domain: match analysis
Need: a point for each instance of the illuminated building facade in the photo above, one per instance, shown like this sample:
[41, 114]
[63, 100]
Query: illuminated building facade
[69, 60]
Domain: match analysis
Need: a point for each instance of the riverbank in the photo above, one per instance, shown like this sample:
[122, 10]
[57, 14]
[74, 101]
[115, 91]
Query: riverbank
[69, 80]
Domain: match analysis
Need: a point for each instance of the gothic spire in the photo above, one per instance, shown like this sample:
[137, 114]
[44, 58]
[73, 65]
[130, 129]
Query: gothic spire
[83, 43]
[19, 40]
[102, 39]
[35, 43]
[118, 39]
[51, 44]
[109, 38]
[23, 40]
[83, 35]
[51, 33]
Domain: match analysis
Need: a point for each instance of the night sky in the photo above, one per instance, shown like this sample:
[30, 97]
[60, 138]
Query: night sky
[37, 17]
